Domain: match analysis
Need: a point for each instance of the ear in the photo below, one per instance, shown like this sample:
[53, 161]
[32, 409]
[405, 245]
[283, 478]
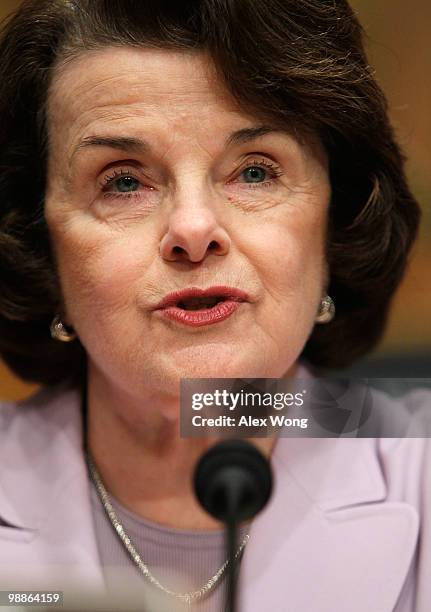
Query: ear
[62, 311]
[326, 279]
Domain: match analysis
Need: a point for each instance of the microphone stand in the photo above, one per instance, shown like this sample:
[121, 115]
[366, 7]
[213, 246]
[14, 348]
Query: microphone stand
[231, 548]
[233, 482]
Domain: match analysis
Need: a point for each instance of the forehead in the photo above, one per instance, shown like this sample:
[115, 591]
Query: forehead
[126, 88]
[116, 78]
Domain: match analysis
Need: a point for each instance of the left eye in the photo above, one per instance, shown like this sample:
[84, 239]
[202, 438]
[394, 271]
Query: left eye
[257, 171]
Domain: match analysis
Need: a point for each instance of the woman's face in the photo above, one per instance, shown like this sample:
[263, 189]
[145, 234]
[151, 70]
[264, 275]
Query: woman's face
[132, 221]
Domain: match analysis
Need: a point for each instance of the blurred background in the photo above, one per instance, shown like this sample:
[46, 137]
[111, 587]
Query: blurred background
[399, 49]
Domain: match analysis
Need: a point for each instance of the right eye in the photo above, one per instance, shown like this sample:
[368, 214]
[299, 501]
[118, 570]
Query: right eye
[121, 184]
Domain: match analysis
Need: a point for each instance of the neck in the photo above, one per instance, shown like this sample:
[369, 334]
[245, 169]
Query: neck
[141, 459]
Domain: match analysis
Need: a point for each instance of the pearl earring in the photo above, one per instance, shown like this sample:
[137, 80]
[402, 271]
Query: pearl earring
[326, 310]
[59, 331]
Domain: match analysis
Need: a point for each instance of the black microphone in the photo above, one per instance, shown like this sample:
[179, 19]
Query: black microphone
[233, 482]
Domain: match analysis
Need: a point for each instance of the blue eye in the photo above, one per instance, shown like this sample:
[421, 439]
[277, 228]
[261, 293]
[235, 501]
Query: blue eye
[123, 180]
[125, 184]
[122, 184]
[255, 173]
[258, 171]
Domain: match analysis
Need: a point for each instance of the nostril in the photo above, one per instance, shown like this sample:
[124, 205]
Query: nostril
[212, 245]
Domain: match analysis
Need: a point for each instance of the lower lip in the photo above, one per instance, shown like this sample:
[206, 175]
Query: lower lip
[198, 318]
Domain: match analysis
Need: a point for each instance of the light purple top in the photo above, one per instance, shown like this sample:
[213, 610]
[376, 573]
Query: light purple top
[348, 526]
[181, 560]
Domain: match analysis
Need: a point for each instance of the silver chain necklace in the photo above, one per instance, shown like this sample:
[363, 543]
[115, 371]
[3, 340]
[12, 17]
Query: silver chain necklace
[188, 598]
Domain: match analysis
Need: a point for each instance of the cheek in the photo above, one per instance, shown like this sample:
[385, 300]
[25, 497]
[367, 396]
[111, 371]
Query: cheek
[291, 252]
[98, 274]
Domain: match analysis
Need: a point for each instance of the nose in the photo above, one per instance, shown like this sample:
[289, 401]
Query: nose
[193, 233]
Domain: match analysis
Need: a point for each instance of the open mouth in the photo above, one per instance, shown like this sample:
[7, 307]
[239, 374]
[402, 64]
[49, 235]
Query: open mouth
[200, 310]
[199, 303]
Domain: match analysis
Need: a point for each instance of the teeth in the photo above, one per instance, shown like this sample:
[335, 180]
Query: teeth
[199, 303]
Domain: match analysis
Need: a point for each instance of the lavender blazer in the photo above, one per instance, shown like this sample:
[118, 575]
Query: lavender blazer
[348, 527]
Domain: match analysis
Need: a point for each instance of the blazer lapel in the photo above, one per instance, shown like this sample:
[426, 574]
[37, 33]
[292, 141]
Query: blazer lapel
[328, 540]
[47, 537]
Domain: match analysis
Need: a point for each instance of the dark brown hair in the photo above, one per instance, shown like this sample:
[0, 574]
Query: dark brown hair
[298, 63]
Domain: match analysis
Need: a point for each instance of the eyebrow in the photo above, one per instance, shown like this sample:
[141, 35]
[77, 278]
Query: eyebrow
[140, 146]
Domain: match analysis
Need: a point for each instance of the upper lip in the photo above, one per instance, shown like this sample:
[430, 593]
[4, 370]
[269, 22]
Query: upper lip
[227, 292]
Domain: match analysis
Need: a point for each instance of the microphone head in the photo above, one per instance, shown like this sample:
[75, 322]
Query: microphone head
[233, 481]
